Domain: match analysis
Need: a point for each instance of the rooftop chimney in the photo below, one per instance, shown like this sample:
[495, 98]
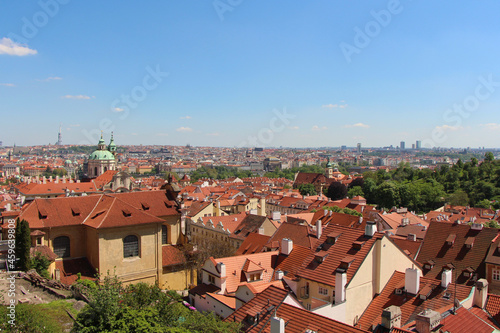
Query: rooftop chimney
[446, 277]
[370, 228]
[276, 216]
[427, 321]
[391, 317]
[481, 293]
[340, 282]
[278, 274]
[286, 246]
[412, 280]
[319, 229]
[277, 325]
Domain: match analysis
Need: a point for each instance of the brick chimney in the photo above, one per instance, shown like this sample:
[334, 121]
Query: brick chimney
[391, 317]
[481, 293]
[427, 320]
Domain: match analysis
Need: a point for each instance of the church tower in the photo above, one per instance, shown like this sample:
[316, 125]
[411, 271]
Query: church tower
[102, 159]
[329, 169]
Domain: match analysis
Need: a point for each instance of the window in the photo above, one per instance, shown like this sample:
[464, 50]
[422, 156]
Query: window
[254, 276]
[323, 291]
[164, 234]
[61, 246]
[39, 240]
[130, 246]
[211, 279]
[495, 273]
[95, 171]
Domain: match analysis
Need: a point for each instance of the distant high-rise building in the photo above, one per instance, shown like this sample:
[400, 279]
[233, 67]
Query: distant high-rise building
[419, 144]
[343, 147]
[1, 143]
[359, 148]
[412, 146]
[402, 145]
[59, 137]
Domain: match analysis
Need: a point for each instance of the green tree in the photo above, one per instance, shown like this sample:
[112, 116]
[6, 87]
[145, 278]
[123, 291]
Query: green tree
[485, 203]
[23, 245]
[354, 191]
[41, 263]
[337, 191]
[307, 189]
[459, 198]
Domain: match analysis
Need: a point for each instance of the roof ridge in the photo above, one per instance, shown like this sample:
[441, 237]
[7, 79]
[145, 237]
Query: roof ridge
[93, 209]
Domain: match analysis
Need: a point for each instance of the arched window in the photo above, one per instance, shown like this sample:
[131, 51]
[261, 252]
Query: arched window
[105, 169]
[164, 235]
[61, 246]
[95, 171]
[130, 246]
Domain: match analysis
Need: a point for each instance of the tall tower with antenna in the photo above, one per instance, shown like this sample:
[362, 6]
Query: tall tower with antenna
[59, 137]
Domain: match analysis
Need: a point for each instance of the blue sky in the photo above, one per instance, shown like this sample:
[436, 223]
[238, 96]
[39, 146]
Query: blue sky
[241, 72]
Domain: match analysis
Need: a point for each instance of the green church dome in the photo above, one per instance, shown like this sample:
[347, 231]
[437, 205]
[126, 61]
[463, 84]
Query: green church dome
[101, 155]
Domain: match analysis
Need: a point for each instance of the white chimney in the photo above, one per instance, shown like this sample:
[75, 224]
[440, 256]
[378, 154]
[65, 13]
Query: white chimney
[7, 207]
[446, 277]
[222, 271]
[277, 325]
[412, 280]
[391, 317]
[370, 228]
[276, 216]
[319, 229]
[340, 283]
[286, 246]
[325, 212]
[261, 231]
[278, 274]
[481, 293]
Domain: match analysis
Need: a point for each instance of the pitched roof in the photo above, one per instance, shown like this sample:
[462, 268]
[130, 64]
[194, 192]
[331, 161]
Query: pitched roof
[409, 247]
[299, 234]
[250, 223]
[411, 305]
[70, 268]
[464, 321]
[270, 303]
[290, 264]
[254, 243]
[235, 267]
[436, 248]
[324, 272]
[171, 255]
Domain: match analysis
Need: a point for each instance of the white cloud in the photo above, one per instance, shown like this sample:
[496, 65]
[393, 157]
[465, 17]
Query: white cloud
[334, 106]
[77, 97]
[186, 117]
[7, 84]
[491, 126]
[317, 128]
[358, 125]
[213, 134]
[118, 109]
[7, 46]
[51, 78]
[448, 128]
[184, 129]
[293, 128]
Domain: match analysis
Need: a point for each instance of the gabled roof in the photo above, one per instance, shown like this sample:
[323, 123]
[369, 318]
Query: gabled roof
[299, 234]
[254, 243]
[290, 264]
[324, 272]
[436, 248]
[235, 267]
[465, 321]
[411, 305]
[270, 303]
[172, 255]
[250, 223]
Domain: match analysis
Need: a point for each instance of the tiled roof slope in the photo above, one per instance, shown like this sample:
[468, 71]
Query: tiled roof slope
[299, 234]
[325, 272]
[254, 243]
[410, 305]
[269, 304]
[437, 249]
[464, 321]
[409, 247]
[290, 264]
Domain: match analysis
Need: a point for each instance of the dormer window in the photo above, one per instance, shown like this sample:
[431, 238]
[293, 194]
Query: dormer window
[145, 206]
[469, 242]
[320, 256]
[425, 292]
[332, 238]
[451, 239]
[42, 213]
[346, 262]
[468, 272]
[75, 211]
[357, 245]
[429, 264]
[126, 212]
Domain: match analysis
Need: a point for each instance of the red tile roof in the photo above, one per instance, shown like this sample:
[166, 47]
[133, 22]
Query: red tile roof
[464, 321]
[324, 272]
[411, 305]
[270, 303]
[436, 248]
[254, 243]
[171, 255]
[69, 269]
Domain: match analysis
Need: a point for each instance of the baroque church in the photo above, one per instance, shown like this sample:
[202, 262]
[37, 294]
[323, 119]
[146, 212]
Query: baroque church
[102, 159]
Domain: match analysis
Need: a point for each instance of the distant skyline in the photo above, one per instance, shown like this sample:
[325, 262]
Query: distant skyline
[251, 73]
